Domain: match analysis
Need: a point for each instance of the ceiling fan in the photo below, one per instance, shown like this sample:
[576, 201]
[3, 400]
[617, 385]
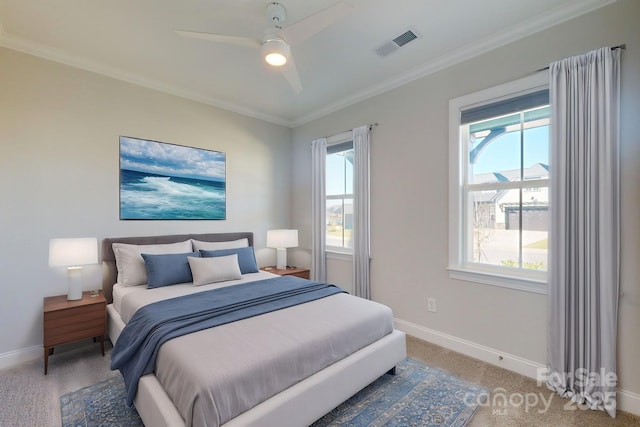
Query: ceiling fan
[276, 41]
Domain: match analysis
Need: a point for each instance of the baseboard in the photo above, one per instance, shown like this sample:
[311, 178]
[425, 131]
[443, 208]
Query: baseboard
[18, 357]
[627, 401]
[525, 367]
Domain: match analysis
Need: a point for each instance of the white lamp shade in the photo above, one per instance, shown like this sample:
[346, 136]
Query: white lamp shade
[282, 238]
[73, 252]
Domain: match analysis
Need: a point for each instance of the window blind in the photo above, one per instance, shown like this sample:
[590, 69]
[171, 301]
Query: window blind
[501, 108]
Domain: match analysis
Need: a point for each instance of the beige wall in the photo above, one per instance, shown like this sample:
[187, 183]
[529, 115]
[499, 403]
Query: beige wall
[59, 129]
[409, 200]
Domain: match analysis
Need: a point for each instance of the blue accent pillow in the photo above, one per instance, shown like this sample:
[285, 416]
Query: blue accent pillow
[246, 257]
[168, 269]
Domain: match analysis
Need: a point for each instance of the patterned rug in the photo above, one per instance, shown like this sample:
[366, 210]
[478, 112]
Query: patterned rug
[417, 395]
[101, 404]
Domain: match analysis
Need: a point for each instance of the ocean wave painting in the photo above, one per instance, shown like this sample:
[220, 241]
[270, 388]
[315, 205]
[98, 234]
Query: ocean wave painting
[168, 181]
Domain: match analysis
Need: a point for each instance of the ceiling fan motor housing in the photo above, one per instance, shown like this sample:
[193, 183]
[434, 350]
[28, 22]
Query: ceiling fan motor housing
[276, 14]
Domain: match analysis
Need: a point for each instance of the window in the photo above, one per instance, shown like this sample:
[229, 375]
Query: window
[500, 185]
[339, 191]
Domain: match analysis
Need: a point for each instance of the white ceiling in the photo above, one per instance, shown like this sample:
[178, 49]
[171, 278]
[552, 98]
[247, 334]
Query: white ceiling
[135, 40]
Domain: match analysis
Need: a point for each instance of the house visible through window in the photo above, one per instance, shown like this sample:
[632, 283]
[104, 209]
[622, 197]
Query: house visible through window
[500, 221]
[339, 190]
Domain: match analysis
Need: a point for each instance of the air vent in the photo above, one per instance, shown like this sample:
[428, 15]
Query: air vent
[405, 38]
[398, 42]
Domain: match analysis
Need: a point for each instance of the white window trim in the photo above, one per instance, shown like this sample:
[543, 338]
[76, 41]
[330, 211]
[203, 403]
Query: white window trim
[340, 138]
[339, 250]
[535, 282]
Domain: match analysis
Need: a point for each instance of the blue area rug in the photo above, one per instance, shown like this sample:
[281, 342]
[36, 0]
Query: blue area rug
[101, 404]
[417, 395]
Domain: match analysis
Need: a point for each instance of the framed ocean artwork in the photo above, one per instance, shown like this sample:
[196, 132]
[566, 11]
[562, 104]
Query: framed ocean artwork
[164, 181]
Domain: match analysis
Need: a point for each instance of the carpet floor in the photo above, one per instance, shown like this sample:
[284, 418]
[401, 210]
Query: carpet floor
[29, 398]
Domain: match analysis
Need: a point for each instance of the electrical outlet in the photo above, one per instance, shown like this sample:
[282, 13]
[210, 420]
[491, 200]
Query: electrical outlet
[431, 305]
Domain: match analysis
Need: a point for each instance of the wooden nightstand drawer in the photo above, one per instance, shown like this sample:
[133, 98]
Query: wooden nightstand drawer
[73, 332]
[74, 323]
[75, 312]
[68, 321]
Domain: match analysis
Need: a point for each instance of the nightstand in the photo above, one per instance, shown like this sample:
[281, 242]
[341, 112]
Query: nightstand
[68, 321]
[298, 272]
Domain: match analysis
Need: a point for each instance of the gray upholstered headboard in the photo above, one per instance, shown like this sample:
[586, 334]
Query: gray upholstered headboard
[109, 271]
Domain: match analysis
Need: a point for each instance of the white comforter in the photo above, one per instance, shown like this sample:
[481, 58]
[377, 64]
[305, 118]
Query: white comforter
[216, 374]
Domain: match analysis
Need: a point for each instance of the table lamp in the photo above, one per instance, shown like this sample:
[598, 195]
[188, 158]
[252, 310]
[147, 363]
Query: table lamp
[73, 253]
[281, 240]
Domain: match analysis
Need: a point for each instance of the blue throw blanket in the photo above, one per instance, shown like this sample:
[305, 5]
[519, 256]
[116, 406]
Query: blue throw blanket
[137, 347]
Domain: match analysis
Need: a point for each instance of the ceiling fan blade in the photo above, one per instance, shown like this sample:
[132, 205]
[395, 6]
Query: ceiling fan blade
[290, 72]
[300, 31]
[221, 38]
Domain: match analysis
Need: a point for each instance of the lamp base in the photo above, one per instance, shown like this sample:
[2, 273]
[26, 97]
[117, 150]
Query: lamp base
[74, 283]
[281, 258]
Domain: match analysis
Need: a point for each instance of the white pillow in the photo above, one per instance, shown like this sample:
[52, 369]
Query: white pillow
[216, 246]
[214, 269]
[131, 269]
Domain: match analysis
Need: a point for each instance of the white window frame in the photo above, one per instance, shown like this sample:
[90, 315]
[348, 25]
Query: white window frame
[533, 281]
[339, 252]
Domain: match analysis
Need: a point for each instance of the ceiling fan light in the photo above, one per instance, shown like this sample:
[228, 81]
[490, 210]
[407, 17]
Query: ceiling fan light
[276, 59]
[275, 52]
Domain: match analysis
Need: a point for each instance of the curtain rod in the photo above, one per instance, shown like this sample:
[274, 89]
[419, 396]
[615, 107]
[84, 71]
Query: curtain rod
[371, 125]
[620, 46]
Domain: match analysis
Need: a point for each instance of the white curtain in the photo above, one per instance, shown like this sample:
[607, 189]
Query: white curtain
[318, 210]
[584, 228]
[360, 237]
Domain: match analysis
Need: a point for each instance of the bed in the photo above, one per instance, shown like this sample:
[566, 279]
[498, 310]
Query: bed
[295, 339]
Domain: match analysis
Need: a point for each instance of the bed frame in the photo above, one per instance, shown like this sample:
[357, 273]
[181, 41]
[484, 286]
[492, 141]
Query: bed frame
[299, 405]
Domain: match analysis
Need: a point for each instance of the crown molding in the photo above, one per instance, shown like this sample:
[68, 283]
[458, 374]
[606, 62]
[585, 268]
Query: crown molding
[457, 56]
[52, 54]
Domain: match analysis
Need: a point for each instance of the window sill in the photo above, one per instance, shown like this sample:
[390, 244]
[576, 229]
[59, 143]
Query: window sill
[342, 256]
[533, 285]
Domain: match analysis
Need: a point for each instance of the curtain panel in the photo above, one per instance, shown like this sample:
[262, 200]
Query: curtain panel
[318, 210]
[584, 228]
[360, 237]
